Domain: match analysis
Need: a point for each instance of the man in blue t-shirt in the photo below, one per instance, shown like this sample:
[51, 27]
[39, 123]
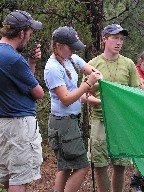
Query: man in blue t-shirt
[20, 140]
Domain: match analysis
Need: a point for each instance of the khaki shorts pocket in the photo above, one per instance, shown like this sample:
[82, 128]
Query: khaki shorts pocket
[37, 150]
[36, 143]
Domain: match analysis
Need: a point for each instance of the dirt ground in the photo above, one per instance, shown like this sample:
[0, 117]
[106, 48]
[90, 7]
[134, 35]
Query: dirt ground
[48, 170]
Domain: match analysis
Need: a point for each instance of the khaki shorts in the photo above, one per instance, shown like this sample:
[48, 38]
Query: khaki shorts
[20, 150]
[98, 148]
[65, 139]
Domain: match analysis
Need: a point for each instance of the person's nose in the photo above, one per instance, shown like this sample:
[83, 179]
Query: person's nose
[119, 41]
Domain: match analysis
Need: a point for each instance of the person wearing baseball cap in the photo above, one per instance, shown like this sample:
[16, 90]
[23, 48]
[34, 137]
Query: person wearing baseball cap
[114, 29]
[119, 69]
[64, 135]
[67, 35]
[20, 20]
[20, 140]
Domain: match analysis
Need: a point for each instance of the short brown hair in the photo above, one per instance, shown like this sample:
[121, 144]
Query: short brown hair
[106, 36]
[12, 33]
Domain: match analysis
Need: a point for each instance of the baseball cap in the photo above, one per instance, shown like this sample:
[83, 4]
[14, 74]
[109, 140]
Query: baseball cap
[67, 35]
[114, 29]
[20, 19]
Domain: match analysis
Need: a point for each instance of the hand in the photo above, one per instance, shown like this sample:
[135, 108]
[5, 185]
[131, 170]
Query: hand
[91, 90]
[93, 77]
[100, 74]
[35, 54]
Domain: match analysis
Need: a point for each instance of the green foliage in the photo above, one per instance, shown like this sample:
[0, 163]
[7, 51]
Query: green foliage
[47, 152]
[43, 110]
[2, 190]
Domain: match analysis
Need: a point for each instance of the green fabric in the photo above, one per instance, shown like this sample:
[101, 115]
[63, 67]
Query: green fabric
[139, 164]
[122, 108]
[121, 70]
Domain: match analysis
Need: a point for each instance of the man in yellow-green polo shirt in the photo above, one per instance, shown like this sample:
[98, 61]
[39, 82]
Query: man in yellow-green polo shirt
[119, 69]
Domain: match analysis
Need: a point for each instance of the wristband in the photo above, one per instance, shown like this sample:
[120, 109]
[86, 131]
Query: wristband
[88, 84]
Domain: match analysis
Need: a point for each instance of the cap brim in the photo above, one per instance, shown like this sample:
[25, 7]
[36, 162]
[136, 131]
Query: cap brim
[36, 25]
[124, 32]
[77, 46]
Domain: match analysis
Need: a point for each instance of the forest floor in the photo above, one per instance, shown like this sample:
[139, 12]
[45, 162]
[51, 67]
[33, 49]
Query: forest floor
[48, 170]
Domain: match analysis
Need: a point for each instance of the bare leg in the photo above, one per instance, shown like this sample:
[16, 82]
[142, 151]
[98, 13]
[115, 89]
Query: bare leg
[102, 179]
[117, 178]
[17, 188]
[61, 179]
[75, 180]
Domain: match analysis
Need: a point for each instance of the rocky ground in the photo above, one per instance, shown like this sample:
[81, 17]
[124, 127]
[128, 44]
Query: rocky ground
[48, 170]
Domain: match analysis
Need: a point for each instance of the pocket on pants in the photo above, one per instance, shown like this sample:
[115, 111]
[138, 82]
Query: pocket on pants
[37, 150]
[72, 145]
[53, 139]
[73, 148]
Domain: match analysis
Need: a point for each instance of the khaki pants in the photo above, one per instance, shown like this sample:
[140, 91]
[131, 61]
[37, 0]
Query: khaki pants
[98, 147]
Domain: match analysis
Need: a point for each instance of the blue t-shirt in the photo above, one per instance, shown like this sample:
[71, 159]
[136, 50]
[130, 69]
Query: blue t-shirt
[16, 80]
[55, 76]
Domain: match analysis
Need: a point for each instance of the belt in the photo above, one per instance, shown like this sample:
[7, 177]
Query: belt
[3, 116]
[71, 116]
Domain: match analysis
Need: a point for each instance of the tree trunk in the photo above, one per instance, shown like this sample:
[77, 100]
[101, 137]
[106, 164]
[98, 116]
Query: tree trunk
[95, 19]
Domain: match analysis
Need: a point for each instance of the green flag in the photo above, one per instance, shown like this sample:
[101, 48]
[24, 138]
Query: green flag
[139, 164]
[123, 109]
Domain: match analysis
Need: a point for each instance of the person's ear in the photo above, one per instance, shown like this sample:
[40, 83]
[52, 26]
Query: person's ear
[21, 34]
[59, 46]
[104, 39]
